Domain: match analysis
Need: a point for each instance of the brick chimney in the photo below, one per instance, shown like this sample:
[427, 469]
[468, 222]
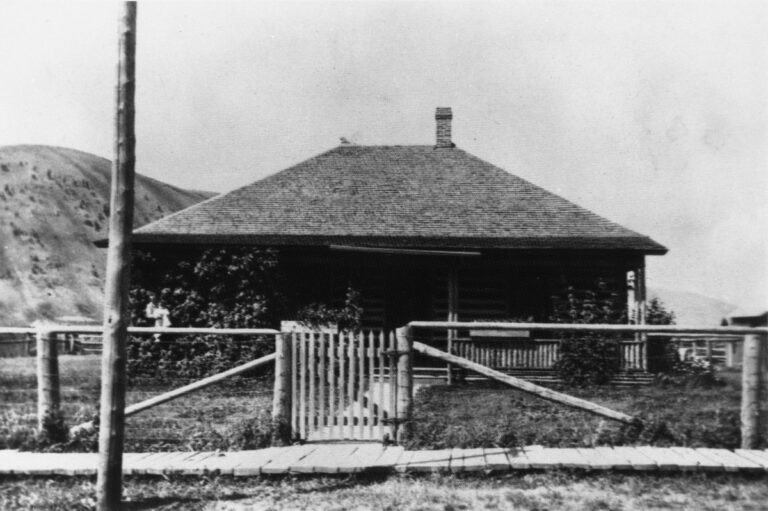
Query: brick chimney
[443, 116]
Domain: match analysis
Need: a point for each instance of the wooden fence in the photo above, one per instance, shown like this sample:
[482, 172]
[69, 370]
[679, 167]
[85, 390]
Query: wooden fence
[754, 404]
[367, 359]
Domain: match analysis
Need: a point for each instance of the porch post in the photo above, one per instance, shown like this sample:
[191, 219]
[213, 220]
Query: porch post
[281, 401]
[453, 315]
[404, 384]
[640, 294]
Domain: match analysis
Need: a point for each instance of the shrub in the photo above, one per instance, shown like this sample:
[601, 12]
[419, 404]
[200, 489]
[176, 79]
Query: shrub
[690, 373]
[348, 317]
[191, 356]
[662, 354]
[591, 357]
[230, 287]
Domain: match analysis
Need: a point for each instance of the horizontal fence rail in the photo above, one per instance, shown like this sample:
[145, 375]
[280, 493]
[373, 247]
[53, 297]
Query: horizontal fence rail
[67, 329]
[586, 327]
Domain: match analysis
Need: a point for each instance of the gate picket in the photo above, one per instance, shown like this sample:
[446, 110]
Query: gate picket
[302, 385]
[294, 383]
[331, 384]
[322, 381]
[361, 384]
[340, 420]
[371, 387]
[351, 386]
[380, 410]
[392, 388]
[312, 376]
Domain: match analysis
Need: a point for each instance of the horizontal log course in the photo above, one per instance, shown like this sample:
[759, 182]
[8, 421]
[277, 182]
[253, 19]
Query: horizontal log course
[525, 386]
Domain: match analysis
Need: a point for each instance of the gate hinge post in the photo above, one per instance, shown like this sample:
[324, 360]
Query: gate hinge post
[403, 427]
[281, 401]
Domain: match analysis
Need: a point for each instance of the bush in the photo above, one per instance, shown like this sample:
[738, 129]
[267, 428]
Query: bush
[191, 356]
[689, 373]
[348, 317]
[662, 354]
[231, 287]
[591, 357]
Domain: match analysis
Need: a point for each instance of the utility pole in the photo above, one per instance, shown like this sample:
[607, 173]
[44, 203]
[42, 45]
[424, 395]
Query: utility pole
[116, 318]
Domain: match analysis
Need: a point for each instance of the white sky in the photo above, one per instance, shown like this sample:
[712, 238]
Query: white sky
[653, 114]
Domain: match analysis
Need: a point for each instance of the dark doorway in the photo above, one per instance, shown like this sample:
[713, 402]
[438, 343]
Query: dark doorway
[408, 292]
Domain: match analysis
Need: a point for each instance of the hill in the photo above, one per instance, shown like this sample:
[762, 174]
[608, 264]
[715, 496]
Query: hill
[693, 308]
[54, 202]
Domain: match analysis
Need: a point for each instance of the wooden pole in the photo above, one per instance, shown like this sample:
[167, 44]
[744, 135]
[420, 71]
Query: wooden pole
[404, 385]
[116, 318]
[523, 385]
[48, 394]
[754, 392]
[281, 401]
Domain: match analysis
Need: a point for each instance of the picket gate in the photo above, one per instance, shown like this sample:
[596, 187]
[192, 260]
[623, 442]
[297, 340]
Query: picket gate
[343, 385]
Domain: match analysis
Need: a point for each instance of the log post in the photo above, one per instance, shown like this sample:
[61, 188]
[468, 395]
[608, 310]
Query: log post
[642, 297]
[754, 392]
[48, 394]
[116, 317]
[453, 315]
[404, 384]
[281, 401]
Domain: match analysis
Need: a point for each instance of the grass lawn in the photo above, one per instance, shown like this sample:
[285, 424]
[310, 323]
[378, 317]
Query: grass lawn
[533, 491]
[487, 414]
[227, 415]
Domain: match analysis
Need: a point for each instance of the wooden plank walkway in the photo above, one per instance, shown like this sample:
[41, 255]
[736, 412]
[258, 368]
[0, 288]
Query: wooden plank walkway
[345, 458]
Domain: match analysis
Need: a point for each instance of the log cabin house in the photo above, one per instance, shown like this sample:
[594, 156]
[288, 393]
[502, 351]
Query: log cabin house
[422, 232]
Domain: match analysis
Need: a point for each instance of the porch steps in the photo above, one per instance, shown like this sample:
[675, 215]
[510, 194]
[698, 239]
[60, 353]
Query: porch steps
[623, 378]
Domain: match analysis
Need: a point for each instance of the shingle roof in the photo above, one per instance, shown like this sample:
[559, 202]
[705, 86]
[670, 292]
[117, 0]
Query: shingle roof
[408, 196]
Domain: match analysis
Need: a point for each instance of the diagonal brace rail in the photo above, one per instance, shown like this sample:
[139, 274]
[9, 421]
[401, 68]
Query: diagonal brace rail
[186, 389]
[525, 386]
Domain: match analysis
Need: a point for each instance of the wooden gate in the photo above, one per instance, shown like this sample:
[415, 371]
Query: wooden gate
[343, 386]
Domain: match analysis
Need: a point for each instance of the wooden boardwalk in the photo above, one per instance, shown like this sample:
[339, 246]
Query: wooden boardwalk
[344, 458]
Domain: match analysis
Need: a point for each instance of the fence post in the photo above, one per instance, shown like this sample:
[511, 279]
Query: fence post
[281, 401]
[48, 395]
[404, 384]
[754, 391]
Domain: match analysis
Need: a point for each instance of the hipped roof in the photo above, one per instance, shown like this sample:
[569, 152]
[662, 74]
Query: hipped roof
[405, 196]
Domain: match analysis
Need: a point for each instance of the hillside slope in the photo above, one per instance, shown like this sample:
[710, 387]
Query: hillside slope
[54, 202]
[693, 308]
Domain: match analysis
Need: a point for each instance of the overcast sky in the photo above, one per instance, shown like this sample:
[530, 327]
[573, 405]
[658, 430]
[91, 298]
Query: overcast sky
[653, 114]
